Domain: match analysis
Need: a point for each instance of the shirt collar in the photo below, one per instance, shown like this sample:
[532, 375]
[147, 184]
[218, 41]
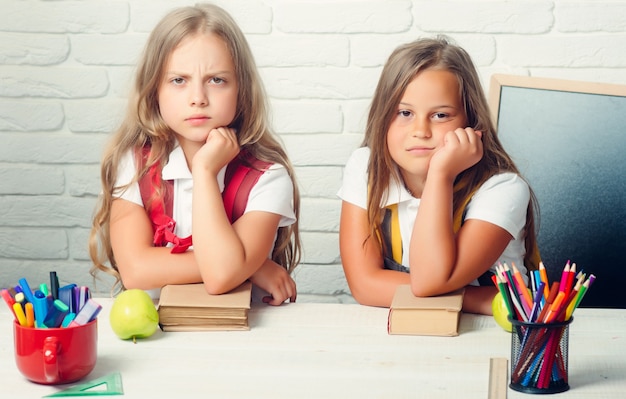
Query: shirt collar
[396, 192]
[176, 167]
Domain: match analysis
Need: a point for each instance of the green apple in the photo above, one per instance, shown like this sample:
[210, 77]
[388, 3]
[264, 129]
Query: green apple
[501, 313]
[133, 315]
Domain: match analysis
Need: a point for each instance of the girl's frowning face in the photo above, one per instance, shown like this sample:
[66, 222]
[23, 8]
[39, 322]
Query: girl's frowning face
[430, 107]
[199, 88]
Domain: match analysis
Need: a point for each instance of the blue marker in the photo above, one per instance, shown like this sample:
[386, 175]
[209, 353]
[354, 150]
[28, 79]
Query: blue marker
[40, 306]
[56, 314]
[66, 294]
[26, 290]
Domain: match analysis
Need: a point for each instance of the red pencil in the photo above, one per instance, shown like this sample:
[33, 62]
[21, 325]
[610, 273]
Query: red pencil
[564, 275]
[570, 279]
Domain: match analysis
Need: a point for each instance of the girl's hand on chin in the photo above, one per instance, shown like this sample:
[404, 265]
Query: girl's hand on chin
[220, 148]
[462, 149]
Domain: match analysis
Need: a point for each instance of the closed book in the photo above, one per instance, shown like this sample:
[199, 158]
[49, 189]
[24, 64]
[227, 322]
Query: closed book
[435, 315]
[188, 307]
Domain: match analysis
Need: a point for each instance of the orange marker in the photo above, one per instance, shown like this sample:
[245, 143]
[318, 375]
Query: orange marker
[30, 314]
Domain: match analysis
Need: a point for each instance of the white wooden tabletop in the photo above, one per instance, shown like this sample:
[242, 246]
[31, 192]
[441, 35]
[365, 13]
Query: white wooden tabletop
[306, 350]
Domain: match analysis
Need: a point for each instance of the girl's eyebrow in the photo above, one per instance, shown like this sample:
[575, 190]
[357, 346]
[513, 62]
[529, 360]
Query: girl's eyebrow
[435, 107]
[211, 73]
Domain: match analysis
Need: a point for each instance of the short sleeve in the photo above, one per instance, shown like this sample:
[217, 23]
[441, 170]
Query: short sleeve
[125, 175]
[354, 186]
[503, 201]
[273, 193]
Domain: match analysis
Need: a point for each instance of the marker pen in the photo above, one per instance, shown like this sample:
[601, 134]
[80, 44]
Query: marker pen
[54, 285]
[20, 298]
[81, 295]
[30, 314]
[87, 313]
[43, 287]
[56, 314]
[19, 314]
[40, 305]
[26, 289]
[9, 300]
[67, 320]
[66, 294]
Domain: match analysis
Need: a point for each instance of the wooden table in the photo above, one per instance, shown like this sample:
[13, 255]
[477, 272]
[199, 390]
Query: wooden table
[306, 350]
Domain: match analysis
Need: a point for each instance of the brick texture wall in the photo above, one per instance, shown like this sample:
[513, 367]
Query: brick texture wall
[65, 69]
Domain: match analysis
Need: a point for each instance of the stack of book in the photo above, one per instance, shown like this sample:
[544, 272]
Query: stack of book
[188, 307]
[436, 315]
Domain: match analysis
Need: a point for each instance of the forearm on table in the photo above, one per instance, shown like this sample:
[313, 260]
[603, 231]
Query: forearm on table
[478, 299]
[219, 252]
[377, 288]
[433, 251]
[155, 267]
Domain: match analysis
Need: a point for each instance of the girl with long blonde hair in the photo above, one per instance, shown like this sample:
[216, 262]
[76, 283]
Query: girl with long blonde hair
[198, 106]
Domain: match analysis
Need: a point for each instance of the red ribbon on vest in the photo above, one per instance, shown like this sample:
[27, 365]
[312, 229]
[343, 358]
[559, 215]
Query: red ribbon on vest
[242, 174]
[162, 224]
[164, 234]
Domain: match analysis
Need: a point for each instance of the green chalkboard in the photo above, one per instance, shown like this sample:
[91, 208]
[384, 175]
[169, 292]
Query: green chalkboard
[568, 138]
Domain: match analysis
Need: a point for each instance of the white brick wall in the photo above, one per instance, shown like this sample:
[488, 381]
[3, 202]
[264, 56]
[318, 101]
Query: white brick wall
[65, 68]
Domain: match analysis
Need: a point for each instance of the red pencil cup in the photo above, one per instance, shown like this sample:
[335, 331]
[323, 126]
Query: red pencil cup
[539, 354]
[56, 355]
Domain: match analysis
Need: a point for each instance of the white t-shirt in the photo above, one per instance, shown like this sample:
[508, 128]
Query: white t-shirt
[502, 200]
[273, 192]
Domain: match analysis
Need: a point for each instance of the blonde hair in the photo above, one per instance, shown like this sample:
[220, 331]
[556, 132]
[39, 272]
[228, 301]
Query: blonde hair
[403, 65]
[143, 124]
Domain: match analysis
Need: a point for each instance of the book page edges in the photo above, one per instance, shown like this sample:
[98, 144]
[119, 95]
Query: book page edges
[437, 315]
[423, 322]
[181, 328]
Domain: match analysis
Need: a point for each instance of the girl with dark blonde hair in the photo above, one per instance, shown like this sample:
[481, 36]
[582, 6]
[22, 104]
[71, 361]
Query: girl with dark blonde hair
[432, 199]
[198, 106]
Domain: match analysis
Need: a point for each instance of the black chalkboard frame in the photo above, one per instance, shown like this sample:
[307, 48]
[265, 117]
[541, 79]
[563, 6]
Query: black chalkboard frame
[603, 256]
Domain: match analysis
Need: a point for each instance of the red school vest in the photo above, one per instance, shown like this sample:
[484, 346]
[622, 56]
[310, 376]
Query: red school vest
[242, 173]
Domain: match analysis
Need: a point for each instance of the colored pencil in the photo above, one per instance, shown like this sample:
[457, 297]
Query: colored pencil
[540, 360]
[564, 275]
[526, 299]
[544, 277]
